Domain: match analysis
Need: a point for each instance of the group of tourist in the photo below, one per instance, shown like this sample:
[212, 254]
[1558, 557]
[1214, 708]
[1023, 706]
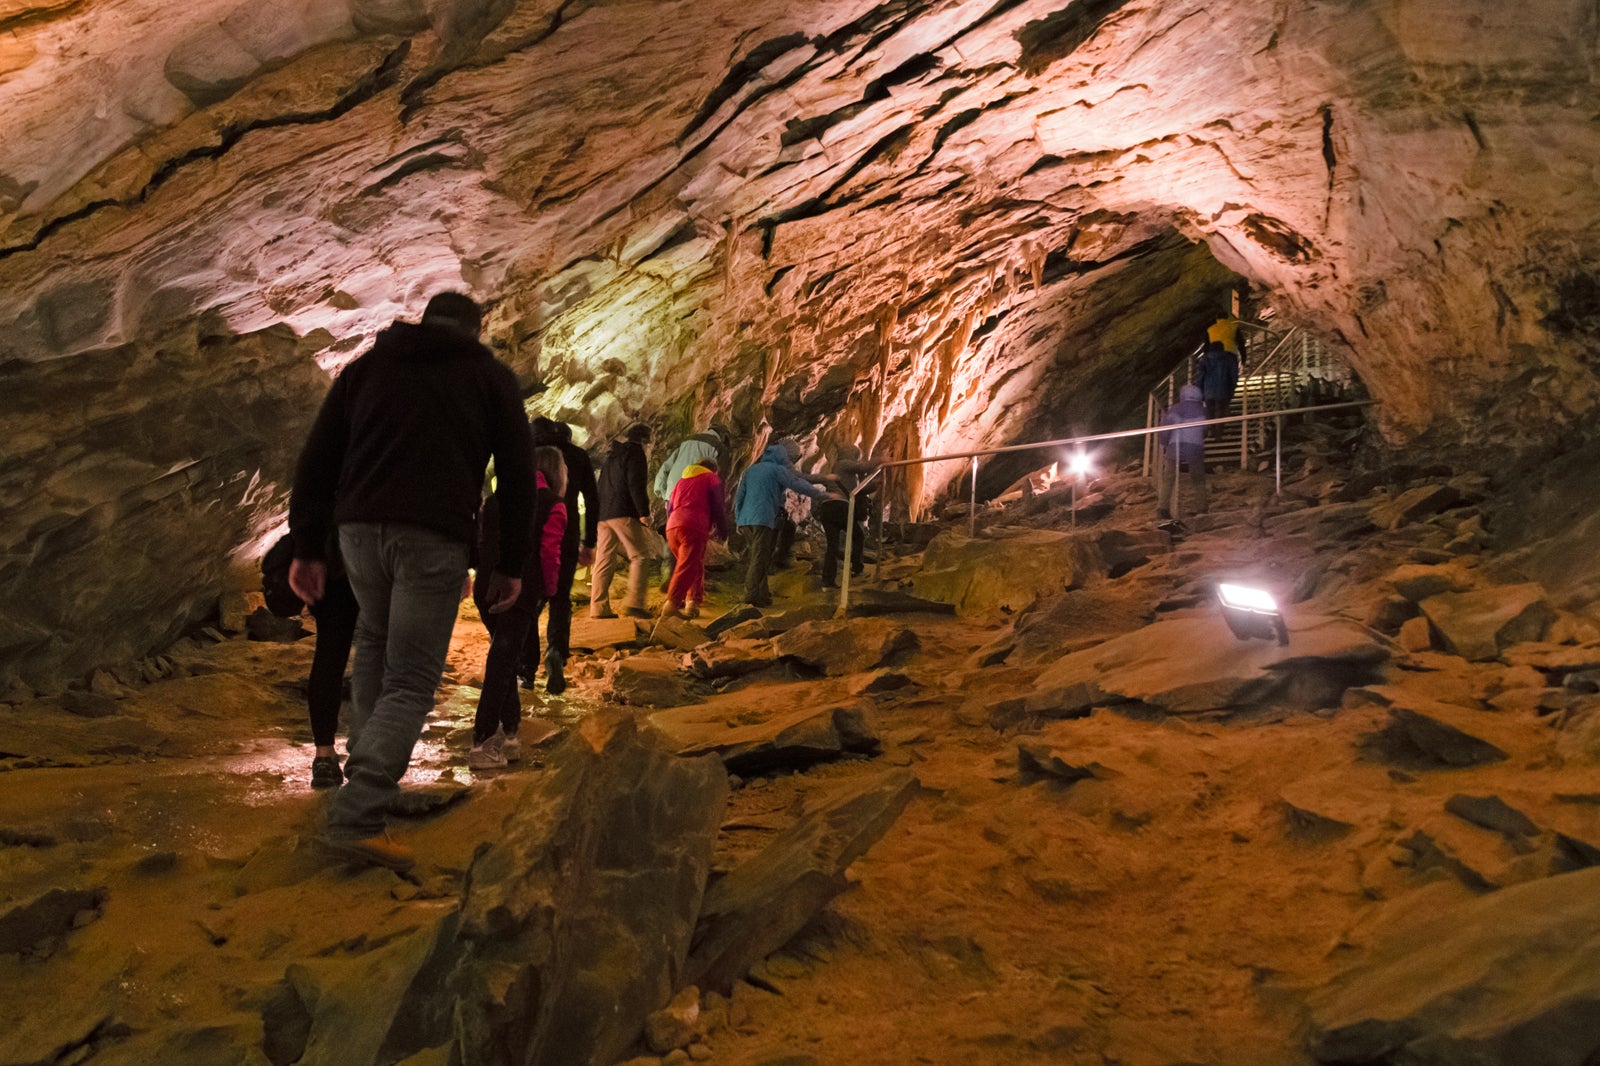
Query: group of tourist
[387, 520]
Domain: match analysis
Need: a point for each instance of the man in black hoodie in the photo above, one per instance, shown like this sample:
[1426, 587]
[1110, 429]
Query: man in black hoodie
[395, 462]
[624, 524]
[575, 551]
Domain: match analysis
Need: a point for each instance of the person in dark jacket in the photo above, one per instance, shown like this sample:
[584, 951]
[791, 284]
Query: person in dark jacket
[494, 733]
[1182, 454]
[395, 461]
[624, 525]
[697, 510]
[757, 505]
[336, 616]
[1217, 374]
[845, 471]
[576, 550]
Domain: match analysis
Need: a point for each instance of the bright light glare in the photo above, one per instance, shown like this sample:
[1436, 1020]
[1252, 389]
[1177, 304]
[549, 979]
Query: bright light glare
[1080, 463]
[1247, 599]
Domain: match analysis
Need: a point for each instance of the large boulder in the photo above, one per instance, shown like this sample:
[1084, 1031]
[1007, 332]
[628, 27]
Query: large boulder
[990, 574]
[1478, 625]
[573, 926]
[577, 923]
[1195, 665]
[1512, 979]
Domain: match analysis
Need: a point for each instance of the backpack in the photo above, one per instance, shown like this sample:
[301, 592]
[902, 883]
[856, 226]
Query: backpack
[281, 599]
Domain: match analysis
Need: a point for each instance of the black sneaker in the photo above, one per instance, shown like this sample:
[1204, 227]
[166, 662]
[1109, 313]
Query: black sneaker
[325, 772]
[555, 682]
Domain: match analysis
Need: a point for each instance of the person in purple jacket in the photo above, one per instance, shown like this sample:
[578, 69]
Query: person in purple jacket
[1181, 469]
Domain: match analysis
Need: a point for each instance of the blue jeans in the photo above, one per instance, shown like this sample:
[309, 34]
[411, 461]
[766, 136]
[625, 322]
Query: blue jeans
[408, 582]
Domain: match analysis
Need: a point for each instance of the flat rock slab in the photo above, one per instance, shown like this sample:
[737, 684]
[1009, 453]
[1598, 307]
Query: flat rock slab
[871, 603]
[653, 680]
[1436, 736]
[760, 905]
[1414, 505]
[592, 634]
[724, 622]
[1037, 760]
[1478, 625]
[680, 634]
[1194, 665]
[24, 923]
[423, 800]
[1555, 658]
[1512, 979]
[851, 646]
[731, 658]
[752, 742]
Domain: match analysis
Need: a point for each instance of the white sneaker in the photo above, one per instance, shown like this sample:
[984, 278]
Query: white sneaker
[490, 755]
[511, 749]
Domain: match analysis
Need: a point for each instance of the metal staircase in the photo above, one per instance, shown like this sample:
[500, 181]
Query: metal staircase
[1298, 369]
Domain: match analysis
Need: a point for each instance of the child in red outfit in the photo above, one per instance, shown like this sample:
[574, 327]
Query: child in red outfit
[494, 733]
[697, 508]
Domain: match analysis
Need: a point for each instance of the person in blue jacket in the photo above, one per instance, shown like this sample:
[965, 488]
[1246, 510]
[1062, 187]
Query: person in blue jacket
[1217, 374]
[1181, 457]
[757, 507]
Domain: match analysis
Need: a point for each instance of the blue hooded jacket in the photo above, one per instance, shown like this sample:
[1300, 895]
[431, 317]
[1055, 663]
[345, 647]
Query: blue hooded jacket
[1191, 442]
[1217, 373]
[759, 499]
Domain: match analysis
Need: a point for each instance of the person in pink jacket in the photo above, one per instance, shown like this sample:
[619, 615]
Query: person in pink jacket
[494, 733]
[695, 511]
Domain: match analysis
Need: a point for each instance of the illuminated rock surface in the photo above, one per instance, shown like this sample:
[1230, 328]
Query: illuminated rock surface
[911, 226]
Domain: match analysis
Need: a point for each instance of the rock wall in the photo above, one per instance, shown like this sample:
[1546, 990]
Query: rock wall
[915, 224]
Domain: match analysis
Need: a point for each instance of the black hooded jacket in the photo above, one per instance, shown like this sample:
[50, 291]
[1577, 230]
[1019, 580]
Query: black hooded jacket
[580, 482]
[624, 482]
[404, 436]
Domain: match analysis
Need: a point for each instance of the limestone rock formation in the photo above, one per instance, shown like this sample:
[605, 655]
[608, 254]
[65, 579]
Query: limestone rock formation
[910, 226]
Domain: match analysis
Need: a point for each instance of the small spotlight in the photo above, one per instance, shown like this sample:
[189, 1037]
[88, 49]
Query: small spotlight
[1251, 613]
[1079, 464]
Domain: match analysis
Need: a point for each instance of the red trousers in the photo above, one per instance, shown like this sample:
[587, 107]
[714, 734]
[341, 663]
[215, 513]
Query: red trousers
[689, 566]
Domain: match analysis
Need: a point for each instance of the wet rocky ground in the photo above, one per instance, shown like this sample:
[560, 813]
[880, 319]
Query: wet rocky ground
[1033, 804]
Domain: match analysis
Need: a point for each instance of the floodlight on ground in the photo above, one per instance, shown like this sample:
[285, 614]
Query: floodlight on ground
[1251, 613]
[1079, 464]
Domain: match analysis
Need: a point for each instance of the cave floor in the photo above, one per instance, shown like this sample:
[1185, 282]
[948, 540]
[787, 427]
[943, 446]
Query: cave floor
[1166, 913]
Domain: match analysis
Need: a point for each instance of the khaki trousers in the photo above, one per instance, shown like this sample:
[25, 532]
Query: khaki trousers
[619, 538]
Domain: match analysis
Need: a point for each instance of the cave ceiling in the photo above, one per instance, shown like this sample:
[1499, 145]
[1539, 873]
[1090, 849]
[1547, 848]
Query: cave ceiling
[916, 225]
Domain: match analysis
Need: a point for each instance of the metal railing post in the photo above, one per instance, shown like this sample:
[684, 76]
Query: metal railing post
[849, 547]
[1244, 430]
[1149, 420]
[972, 518]
[1277, 455]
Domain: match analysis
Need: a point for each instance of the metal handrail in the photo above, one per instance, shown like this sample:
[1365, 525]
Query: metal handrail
[974, 456]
